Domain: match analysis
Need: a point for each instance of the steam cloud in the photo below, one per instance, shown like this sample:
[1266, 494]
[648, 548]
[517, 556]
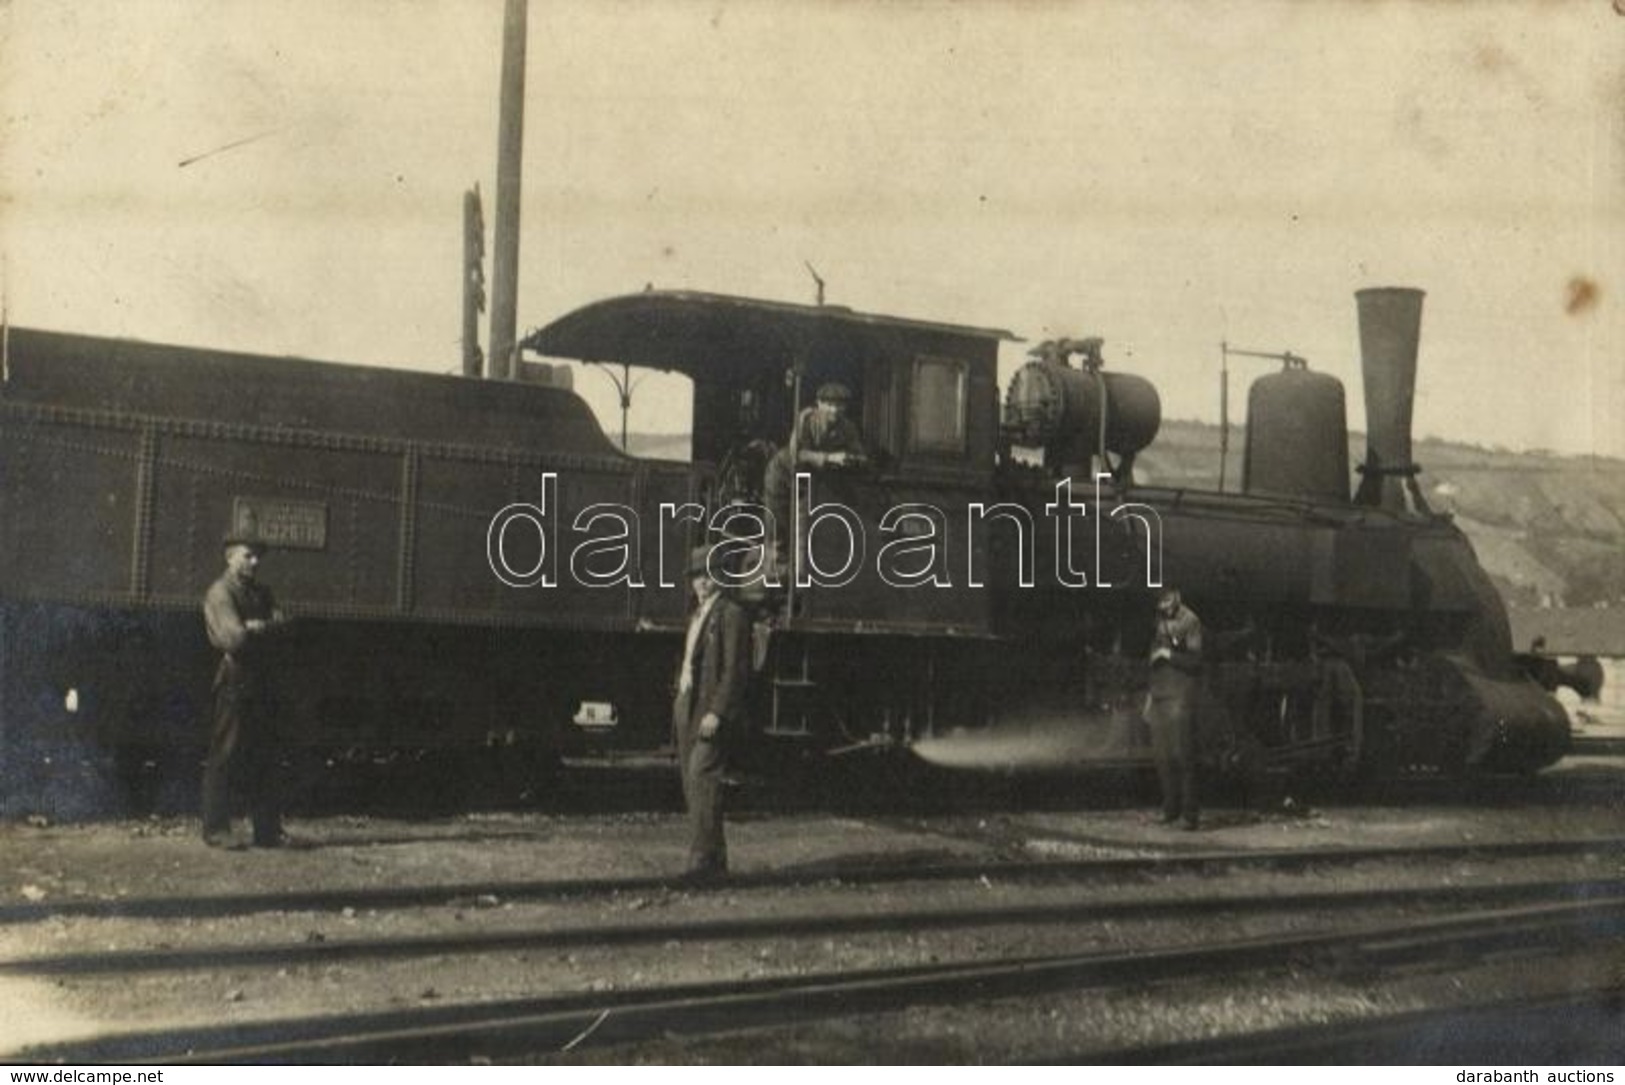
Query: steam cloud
[1039, 739]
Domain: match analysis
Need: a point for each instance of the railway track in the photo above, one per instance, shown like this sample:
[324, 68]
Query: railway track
[1596, 746]
[953, 921]
[306, 954]
[526, 1028]
[844, 873]
[1575, 1027]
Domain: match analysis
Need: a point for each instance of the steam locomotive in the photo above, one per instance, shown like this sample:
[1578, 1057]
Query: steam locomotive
[478, 571]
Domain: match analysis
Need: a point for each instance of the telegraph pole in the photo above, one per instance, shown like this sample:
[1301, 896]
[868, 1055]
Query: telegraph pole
[510, 155]
[473, 281]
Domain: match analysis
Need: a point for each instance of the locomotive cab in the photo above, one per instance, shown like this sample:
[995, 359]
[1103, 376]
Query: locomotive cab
[924, 397]
[924, 394]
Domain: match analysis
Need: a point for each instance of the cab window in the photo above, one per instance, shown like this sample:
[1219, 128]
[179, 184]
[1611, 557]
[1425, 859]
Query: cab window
[938, 407]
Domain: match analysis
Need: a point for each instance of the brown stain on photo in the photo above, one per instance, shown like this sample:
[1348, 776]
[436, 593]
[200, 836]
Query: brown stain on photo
[1493, 60]
[1582, 293]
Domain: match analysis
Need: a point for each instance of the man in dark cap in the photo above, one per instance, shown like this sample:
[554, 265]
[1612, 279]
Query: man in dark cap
[823, 436]
[241, 615]
[1176, 668]
[708, 714]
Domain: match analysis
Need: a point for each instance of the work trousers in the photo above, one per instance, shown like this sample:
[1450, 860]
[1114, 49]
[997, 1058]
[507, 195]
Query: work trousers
[1171, 718]
[242, 753]
[702, 763]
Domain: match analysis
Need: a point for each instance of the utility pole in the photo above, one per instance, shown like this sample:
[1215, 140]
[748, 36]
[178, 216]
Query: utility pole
[510, 157]
[473, 281]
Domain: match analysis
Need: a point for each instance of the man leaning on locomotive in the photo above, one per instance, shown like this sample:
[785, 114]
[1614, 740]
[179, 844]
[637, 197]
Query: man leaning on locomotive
[823, 436]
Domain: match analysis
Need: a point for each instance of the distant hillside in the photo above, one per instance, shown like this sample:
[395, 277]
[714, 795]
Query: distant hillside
[1550, 529]
[658, 446]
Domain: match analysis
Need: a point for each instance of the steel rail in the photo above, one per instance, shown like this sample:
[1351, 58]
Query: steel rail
[1596, 746]
[526, 1027]
[325, 951]
[807, 874]
[1581, 1026]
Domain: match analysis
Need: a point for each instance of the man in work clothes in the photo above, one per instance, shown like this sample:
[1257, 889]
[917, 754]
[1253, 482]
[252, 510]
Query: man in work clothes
[1176, 667]
[241, 616]
[708, 713]
[823, 436]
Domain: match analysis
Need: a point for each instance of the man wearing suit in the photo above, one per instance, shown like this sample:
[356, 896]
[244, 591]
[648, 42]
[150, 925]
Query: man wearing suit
[708, 714]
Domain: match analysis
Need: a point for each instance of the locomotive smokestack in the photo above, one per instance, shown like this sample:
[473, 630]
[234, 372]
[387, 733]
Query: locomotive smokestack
[1390, 328]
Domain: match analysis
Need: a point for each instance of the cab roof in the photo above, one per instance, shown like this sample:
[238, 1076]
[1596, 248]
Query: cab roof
[718, 337]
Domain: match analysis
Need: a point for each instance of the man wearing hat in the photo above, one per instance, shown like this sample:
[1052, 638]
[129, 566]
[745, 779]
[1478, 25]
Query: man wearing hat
[708, 713]
[823, 436]
[241, 615]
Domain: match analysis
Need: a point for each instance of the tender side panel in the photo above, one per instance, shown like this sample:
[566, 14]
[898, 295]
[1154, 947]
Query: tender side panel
[666, 537]
[333, 515]
[68, 509]
[100, 509]
[457, 499]
[594, 508]
[536, 542]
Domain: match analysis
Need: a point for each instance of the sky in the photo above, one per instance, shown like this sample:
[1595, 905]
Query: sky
[286, 177]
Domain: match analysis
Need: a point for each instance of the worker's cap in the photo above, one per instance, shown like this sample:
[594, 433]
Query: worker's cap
[240, 538]
[699, 560]
[834, 392]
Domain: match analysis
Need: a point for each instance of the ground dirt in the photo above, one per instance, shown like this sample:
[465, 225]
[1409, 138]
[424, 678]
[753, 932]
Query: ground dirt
[595, 871]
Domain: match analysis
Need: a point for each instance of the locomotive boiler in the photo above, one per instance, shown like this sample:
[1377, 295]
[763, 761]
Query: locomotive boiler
[1353, 632]
[482, 578]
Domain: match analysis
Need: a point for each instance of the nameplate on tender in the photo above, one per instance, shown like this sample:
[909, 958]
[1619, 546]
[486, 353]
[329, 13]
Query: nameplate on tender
[281, 521]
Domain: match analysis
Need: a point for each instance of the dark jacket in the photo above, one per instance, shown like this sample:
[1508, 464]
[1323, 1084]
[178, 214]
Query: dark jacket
[721, 668]
[1181, 637]
[813, 433]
